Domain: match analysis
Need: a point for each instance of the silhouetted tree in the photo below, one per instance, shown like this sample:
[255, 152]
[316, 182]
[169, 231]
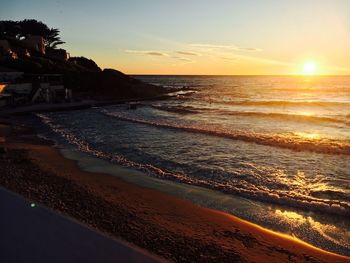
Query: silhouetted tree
[53, 38]
[33, 27]
[27, 27]
[10, 29]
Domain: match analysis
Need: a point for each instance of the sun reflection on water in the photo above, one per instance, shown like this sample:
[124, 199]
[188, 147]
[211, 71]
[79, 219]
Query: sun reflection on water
[305, 113]
[309, 136]
[328, 231]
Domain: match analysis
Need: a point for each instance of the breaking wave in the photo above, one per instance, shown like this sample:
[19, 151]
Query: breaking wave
[283, 103]
[288, 141]
[283, 116]
[249, 191]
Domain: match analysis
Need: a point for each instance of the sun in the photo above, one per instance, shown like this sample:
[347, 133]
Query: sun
[310, 68]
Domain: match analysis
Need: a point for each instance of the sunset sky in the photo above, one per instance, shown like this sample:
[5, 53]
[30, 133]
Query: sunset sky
[200, 36]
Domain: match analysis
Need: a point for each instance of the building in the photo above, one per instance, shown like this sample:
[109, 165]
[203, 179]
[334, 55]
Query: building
[21, 52]
[34, 88]
[5, 47]
[35, 43]
[49, 88]
[57, 54]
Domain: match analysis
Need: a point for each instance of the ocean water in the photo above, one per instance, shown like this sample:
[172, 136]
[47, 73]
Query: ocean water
[280, 145]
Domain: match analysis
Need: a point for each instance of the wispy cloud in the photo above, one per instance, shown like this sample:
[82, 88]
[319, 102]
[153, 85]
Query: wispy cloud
[187, 53]
[147, 52]
[230, 47]
[184, 60]
[230, 58]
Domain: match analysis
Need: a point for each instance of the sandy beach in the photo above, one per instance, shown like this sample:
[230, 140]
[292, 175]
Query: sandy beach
[167, 226]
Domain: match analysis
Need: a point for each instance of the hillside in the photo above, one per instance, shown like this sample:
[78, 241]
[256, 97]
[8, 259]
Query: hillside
[80, 74]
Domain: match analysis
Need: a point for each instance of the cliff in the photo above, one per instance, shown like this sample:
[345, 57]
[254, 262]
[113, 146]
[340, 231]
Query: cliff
[85, 78]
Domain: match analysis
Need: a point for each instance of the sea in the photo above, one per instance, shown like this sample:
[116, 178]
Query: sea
[273, 150]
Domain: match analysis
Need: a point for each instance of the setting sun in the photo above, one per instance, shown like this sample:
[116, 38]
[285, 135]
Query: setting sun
[201, 131]
[309, 68]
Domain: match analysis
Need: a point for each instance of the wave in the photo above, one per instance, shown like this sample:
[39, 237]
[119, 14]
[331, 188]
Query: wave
[252, 192]
[295, 142]
[177, 109]
[283, 103]
[284, 116]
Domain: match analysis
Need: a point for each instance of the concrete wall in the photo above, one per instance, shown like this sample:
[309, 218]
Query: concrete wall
[21, 88]
[9, 76]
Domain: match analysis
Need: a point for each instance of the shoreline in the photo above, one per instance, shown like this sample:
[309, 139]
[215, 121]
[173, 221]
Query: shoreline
[71, 106]
[163, 224]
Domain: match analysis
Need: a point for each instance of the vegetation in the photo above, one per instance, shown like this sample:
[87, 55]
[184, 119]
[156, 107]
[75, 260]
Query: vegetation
[22, 29]
[81, 74]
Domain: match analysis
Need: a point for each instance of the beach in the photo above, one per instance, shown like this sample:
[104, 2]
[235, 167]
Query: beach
[170, 227]
[190, 131]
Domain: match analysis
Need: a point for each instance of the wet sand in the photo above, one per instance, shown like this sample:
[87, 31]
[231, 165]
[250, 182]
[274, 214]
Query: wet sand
[165, 225]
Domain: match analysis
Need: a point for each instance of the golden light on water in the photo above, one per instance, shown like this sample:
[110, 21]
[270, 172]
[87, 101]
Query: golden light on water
[328, 231]
[309, 68]
[305, 113]
[289, 215]
[310, 136]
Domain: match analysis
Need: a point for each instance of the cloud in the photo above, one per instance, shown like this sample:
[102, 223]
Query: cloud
[230, 58]
[230, 47]
[147, 52]
[248, 49]
[184, 59]
[187, 53]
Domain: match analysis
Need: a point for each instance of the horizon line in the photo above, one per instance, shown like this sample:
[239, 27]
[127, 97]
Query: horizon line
[239, 75]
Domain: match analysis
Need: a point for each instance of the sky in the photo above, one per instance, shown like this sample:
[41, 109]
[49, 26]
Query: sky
[221, 37]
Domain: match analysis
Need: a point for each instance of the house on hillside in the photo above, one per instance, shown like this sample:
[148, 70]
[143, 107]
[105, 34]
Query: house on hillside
[21, 52]
[5, 46]
[35, 43]
[57, 54]
[5, 49]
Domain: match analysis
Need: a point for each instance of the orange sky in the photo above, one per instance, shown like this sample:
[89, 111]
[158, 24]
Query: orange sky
[200, 36]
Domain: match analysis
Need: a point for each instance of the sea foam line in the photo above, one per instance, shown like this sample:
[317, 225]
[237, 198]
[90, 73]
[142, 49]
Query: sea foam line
[292, 142]
[253, 192]
[274, 115]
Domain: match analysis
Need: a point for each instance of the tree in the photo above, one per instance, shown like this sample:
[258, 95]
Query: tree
[10, 29]
[52, 38]
[27, 27]
[33, 27]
